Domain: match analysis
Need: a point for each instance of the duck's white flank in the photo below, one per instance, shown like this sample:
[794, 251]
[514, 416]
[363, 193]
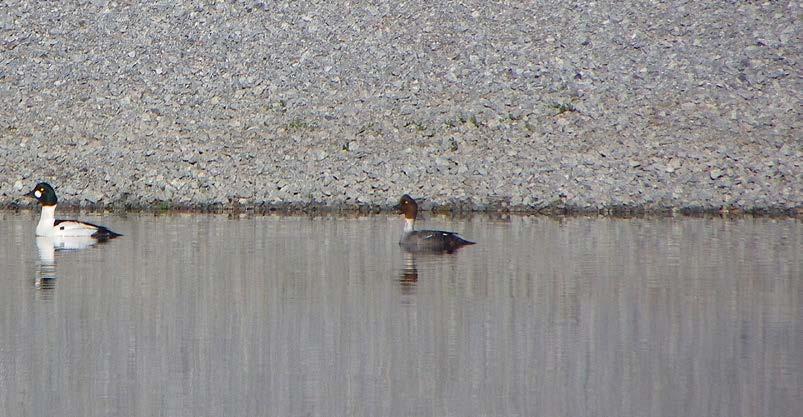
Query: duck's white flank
[46, 226]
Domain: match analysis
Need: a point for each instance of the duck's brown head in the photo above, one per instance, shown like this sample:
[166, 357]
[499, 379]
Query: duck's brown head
[408, 207]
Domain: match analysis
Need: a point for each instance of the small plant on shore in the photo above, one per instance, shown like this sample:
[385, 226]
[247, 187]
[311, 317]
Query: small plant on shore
[509, 118]
[416, 126]
[420, 128]
[458, 121]
[370, 129]
[563, 107]
[279, 106]
[299, 124]
[462, 120]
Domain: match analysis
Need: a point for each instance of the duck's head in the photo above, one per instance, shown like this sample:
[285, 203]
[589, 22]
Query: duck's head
[43, 193]
[408, 207]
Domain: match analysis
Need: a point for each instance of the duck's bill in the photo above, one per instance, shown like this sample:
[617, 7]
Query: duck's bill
[29, 194]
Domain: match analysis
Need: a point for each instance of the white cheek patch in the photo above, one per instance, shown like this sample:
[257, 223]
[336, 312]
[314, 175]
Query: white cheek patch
[38, 194]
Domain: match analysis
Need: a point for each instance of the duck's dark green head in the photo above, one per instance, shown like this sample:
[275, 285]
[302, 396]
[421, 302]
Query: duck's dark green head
[43, 193]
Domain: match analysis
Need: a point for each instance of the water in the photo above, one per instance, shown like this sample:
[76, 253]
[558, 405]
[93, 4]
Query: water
[196, 315]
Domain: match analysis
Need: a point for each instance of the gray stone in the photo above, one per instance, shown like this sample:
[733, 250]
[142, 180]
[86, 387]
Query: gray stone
[647, 115]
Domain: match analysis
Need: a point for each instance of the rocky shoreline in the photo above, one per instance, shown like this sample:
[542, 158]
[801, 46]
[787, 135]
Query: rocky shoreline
[551, 107]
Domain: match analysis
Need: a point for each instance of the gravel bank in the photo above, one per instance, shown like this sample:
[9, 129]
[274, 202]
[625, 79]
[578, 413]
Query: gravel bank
[542, 106]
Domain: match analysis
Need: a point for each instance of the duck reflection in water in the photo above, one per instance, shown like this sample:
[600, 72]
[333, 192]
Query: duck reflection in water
[47, 246]
[432, 265]
[409, 274]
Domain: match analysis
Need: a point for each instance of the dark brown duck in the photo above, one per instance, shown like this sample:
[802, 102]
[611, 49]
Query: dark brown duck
[425, 240]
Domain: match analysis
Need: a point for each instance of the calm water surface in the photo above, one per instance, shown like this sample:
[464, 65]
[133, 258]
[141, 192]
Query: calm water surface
[209, 315]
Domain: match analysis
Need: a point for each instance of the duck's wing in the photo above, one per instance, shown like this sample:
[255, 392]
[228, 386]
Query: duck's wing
[433, 241]
[78, 228]
[441, 235]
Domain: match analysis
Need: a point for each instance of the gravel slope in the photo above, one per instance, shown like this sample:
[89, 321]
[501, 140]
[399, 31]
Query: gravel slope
[522, 105]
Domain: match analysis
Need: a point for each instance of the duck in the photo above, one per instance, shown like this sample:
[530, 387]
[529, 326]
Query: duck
[432, 241]
[49, 226]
